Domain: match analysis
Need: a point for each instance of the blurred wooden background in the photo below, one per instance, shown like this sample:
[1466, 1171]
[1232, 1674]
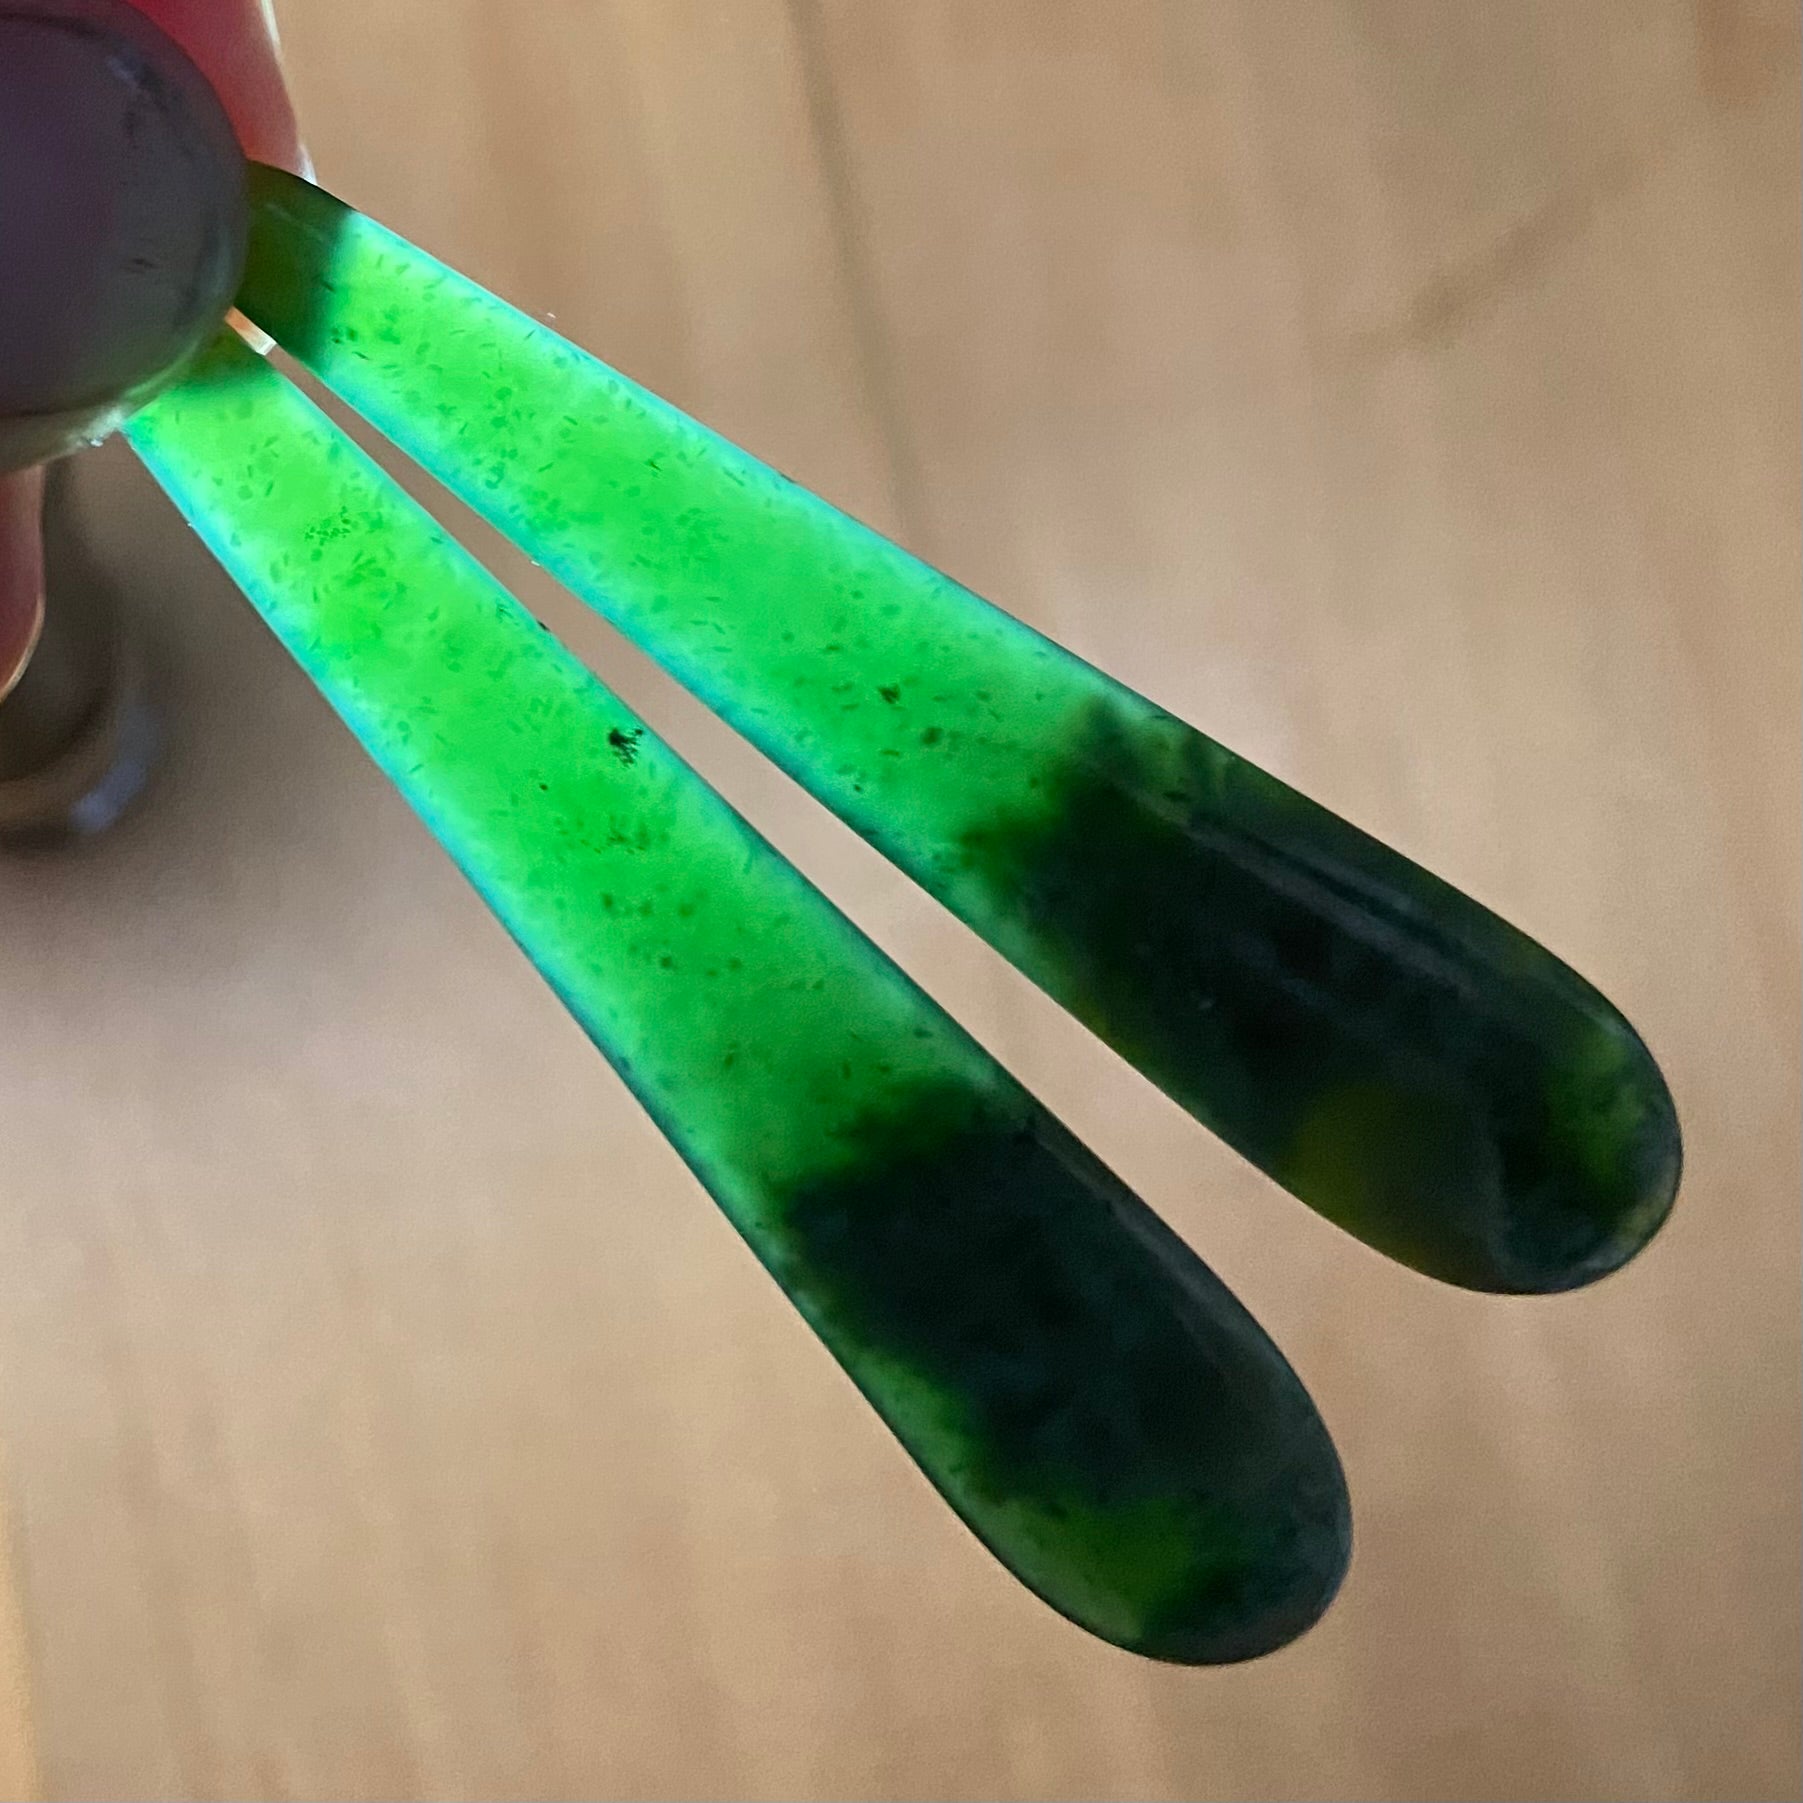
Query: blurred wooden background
[1405, 391]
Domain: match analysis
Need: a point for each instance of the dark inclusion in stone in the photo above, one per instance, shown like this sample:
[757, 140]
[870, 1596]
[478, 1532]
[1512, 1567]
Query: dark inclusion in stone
[1111, 1421]
[1396, 1055]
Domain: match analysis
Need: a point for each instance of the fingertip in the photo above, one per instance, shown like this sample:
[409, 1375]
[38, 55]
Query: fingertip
[235, 44]
[122, 218]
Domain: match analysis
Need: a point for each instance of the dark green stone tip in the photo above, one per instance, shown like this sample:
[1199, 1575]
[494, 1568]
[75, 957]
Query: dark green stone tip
[1086, 1394]
[1388, 1049]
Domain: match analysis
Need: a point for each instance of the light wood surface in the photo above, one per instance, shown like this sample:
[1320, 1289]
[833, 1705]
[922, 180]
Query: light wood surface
[1404, 391]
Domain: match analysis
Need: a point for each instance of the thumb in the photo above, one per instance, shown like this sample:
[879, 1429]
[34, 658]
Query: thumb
[82, 322]
[233, 43]
[121, 218]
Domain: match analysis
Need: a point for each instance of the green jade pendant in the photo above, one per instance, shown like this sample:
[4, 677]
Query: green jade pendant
[1383, 1046]
[1075, 1382]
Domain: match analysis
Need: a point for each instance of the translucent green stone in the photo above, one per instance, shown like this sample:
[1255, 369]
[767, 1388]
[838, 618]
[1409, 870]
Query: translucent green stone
[1077, 1384]
[1388, 1049]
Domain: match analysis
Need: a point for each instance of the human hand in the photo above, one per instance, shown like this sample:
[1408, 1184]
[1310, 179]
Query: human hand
[121, 197]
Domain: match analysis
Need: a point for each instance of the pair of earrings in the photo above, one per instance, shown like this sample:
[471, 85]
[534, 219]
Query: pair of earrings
[1077, 1384]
